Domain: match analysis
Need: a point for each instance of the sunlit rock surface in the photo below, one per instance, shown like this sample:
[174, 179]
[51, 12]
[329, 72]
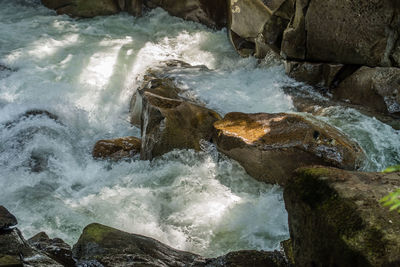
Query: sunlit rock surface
[271, 146]
[336, 219]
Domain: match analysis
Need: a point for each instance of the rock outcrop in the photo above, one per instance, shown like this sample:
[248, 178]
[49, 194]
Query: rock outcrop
[377, 88]
[117, 149]
[55, 248]
[335, 218]
[271, 146]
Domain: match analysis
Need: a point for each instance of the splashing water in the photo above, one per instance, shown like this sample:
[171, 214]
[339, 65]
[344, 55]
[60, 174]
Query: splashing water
[84, 72]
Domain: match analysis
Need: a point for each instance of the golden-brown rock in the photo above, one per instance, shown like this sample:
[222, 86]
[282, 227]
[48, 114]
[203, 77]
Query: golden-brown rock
[271, 146]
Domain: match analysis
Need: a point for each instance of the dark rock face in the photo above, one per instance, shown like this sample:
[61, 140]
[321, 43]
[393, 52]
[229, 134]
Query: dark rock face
[117, 149]
[16, 251]
[55, 248]
[271, 146]
[349, 32]
[335, 218]
[111, 247]
[377, 88]
[7, 220]
[212, 13]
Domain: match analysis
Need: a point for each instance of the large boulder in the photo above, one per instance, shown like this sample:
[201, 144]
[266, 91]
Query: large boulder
[271, 146]
[83, 8]
[169, 124]
[7, 220]
[212, 13]
[112, 247]
[117, 149]
[55, 248]
[335, 218]
[339, 31]
[377, 88]
[167, 119]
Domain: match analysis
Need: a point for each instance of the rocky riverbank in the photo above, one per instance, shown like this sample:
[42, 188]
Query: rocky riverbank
[335, 217]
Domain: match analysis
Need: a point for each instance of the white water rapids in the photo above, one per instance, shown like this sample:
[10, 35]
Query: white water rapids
[84, 72]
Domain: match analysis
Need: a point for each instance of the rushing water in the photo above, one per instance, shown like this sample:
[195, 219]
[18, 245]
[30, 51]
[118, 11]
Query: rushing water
[84, 72]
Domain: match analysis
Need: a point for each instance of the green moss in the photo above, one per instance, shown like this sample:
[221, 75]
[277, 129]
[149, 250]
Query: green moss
[10, 261]
[96, 232]
[390, 169]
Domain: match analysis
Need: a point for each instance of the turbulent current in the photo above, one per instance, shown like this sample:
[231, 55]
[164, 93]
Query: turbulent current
[84, 73]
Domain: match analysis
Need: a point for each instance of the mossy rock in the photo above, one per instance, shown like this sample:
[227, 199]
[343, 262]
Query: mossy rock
[10, 261]
[335, 218]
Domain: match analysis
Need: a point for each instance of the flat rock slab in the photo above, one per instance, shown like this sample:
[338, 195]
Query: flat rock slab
[271, 146]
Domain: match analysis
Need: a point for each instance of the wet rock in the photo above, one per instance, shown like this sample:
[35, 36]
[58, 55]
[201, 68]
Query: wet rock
[335, 218]
[117, 149]
[55, 248]
[7, 220]
[158, 80]
[83, 8]
[271, 146]
[377, 88]
[134, 7]
[249, 258]
[169, 124]
[316, 74]
[16, 251]
[101, 245]
[111, 247]
[212, 13]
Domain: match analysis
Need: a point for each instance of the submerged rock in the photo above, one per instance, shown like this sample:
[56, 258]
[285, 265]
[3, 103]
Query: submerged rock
[55, 248]
[212, 13]
[376, 88]
[169, 124]
[271, 146]
[316, 74]
[117, 149]
[83, 8]
[335, 218]
[111, 247]
[7, 220]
